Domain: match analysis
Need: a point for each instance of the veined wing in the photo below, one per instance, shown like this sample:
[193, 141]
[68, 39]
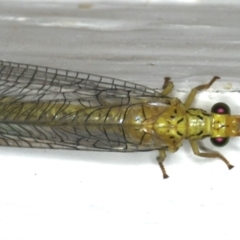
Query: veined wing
[90, 138]
[28, 88]
[29, 83]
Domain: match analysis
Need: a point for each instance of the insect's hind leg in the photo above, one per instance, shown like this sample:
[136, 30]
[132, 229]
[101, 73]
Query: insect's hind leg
[195, 90]
[167, 86]
[160, 159]
[195, 149]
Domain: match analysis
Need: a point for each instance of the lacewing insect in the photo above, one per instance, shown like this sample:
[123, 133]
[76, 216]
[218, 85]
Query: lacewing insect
[43, 107]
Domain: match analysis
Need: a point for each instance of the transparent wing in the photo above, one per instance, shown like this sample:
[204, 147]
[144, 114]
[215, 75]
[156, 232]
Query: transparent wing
[90, 138]
[24, 83]
[29, 94]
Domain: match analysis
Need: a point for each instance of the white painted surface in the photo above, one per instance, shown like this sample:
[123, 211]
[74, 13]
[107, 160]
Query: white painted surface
[48, 194]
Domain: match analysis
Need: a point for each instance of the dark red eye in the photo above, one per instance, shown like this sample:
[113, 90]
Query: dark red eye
[219, 141]
[220, 108]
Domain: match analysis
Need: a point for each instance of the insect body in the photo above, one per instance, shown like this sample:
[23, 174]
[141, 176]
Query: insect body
[50, 108]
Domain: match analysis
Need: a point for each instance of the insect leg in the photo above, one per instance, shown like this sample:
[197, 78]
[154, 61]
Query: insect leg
[195, 90]
[167, 86]
[160, 159]
[195, 149]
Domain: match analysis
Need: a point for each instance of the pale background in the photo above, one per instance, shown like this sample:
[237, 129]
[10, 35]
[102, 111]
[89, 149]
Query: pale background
[47, 194]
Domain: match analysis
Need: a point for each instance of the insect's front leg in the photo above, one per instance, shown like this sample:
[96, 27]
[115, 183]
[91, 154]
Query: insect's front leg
[195, 149]
[167, 86]
[160, 159]
[195, 90]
